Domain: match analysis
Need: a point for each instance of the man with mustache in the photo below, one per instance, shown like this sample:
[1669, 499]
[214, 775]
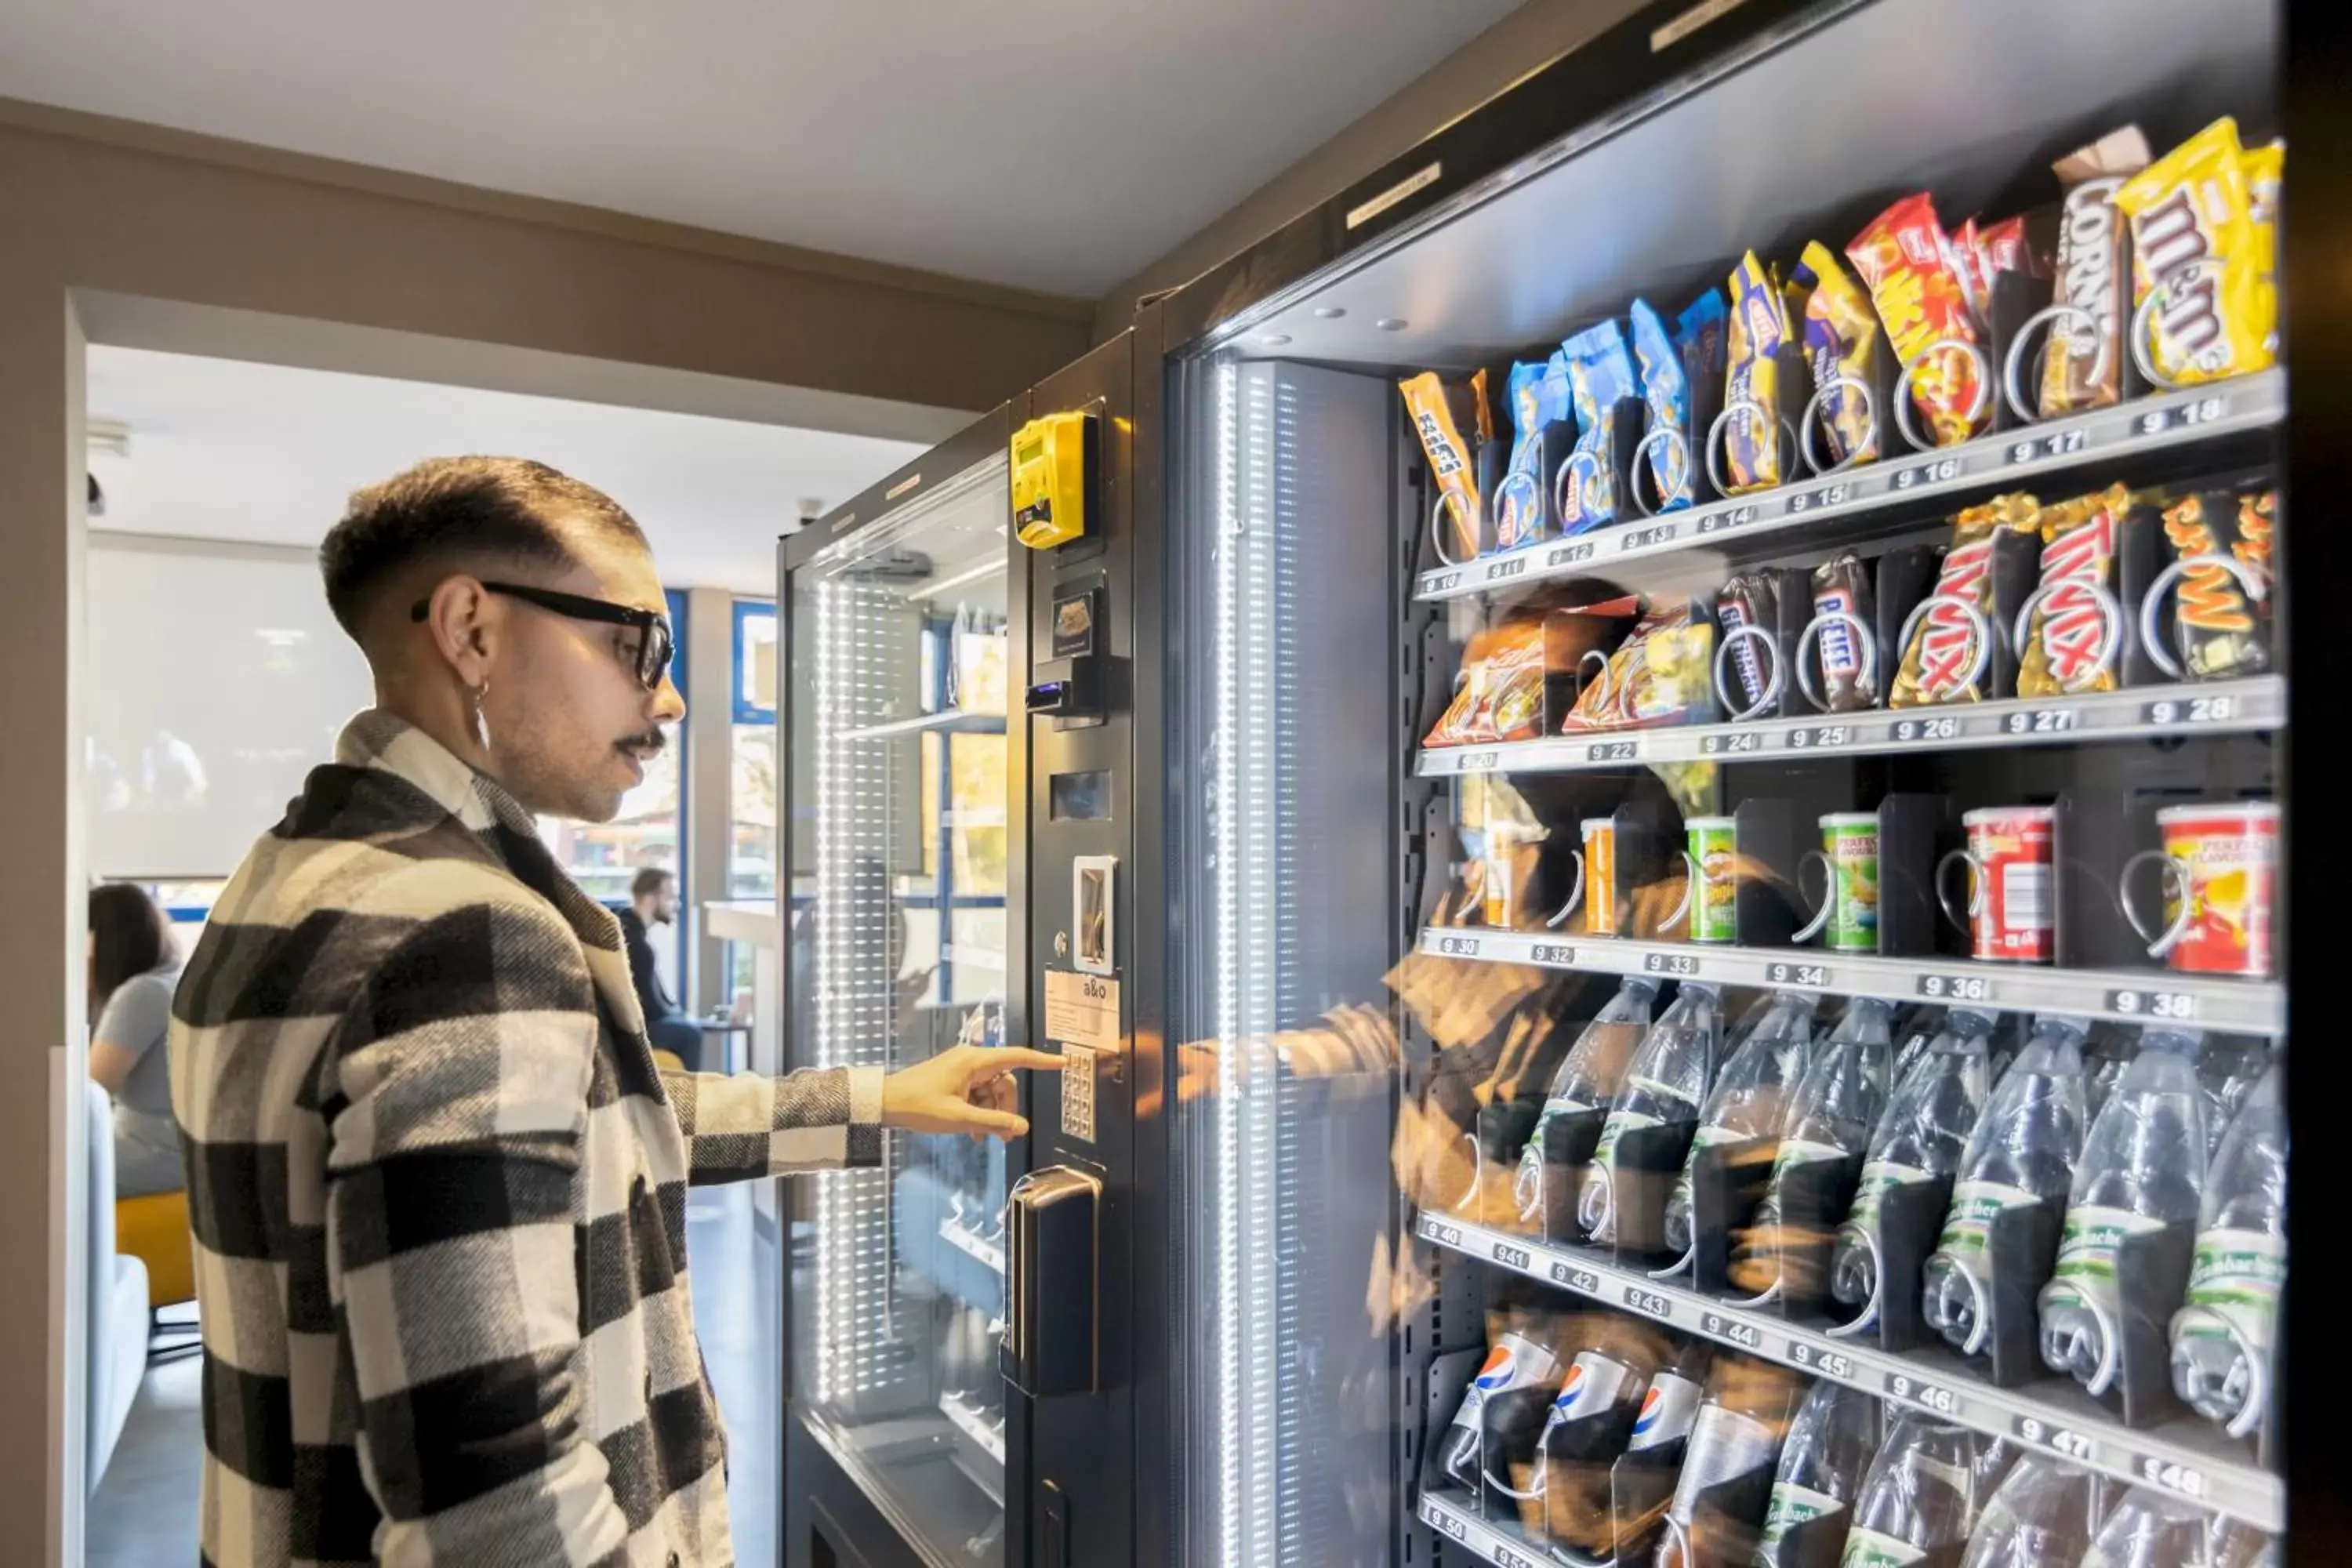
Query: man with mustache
[437, 1180]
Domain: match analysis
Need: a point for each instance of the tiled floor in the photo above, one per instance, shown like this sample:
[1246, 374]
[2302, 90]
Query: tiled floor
[144, 1514]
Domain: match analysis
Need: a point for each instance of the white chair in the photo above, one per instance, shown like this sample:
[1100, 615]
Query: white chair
[117, 1356]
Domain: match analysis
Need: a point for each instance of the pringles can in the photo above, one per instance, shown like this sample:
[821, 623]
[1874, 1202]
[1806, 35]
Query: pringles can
[2220, 880]
[1712, 894]
[1847, 921]
[2009, 914]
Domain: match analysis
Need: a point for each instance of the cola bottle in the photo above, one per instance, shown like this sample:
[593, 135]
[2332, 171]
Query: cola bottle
[1920, 1137]
[1752, 1096]
[1502, 1412]
[1588, 1078]
[1923, 1494]
[1838, 1102]
[2043, 1516]
[2143, 1167]
[1666, 1084]
[1590, 1423]
[1733, 1444]
[1829, 1447]
[2222, 1340]
[2022, 1154]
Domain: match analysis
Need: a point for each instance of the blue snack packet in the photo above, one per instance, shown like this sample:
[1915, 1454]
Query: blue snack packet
[1519, 496]
[1666, 388]
[1600, 373]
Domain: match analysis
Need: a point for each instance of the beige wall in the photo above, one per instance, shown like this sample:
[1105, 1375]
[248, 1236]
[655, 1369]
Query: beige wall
[1527, 39]
[117, 217]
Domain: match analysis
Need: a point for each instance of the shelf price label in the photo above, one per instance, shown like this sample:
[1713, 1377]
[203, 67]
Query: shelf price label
[1509, 1556]
[1828, 495]
[1731, 745]
[1730, 1330]
[1956, 987]
[1832, 1364]
[1657, 533]
[2041, 722]
[2177, 1006]
[2186, 1480]
[1438, 1231]
[1821, 735]
[1805, 976]
[2204, 411]
[1722, 522]
[1612, 750]
[2057, 444]
[1457, 947]
[1944, 471]
[1942, 729]
[1511, 1257]
[1441, 582]
[1649, 1303]
[1583, 1281]
[1918, 1391]
[1558, 954]
[1508, 567]
[1444, 1522]
[1560, 555]
[1669, 963]
[1476, 761]
[2064, 1441]
[2192, 710]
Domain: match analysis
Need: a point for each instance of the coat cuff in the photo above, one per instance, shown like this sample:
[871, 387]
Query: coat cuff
[864, 1146]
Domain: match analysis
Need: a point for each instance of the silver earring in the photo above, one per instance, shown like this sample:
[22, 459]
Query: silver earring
[481, 696]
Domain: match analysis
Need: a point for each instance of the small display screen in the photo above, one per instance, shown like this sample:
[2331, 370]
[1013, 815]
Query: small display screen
[1082, 797]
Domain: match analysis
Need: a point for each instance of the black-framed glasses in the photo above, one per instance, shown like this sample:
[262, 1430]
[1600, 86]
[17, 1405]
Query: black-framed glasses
[656, 643]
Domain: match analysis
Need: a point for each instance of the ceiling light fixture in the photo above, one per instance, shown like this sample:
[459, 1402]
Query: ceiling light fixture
[1329, 313]
[1393, 323]
[110, 435]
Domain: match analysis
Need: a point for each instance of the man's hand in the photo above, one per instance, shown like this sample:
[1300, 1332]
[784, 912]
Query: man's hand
[964, 1088]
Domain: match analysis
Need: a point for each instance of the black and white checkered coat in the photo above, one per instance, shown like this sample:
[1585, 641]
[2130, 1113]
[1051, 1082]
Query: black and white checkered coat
[438, 1192]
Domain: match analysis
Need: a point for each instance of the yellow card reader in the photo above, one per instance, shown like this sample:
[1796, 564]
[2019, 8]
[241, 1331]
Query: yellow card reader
[1052, 459]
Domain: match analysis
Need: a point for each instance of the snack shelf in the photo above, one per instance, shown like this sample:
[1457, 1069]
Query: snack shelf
[2188, 1456]
[1457, 1520]
[954, 721]
[2145, 424]
[990, 1255]
[2235, 1006]
[2221, 706]
[974, 1424]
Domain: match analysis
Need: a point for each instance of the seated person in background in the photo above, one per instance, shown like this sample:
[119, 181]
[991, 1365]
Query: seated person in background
[652, 902]
[134, 965]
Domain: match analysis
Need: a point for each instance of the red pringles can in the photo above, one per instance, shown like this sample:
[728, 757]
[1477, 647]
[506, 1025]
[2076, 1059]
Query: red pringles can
[2221, 882]
[2011, 911]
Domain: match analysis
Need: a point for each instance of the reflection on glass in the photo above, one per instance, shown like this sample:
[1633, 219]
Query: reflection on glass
[897, 951]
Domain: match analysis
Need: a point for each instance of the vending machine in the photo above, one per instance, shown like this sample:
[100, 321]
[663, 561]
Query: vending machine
[1725, 793]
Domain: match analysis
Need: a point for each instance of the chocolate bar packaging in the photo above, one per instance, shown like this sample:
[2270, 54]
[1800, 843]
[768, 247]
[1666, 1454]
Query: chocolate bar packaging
[1951, 656]
[1665, 387]
[1600, 373]
[1746, 599]
[2083, 365]
[1538, 398]
[2070, 644]
[1841, 331]
[2217, 628]
[1758, 326]
[1906, 261]
[1849, 680]
[2194, 245]
[1439, 412]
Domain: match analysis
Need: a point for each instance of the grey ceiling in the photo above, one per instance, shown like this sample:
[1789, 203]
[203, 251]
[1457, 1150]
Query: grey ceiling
[1046, 143]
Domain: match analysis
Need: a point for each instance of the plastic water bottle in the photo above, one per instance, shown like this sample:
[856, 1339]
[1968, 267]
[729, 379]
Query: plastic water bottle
[1739, 1432]
[1922, 1136]
[2150, 1529]
[1923, 1493]
[1666, 1082]
[1752, 1096]
[2045, 1512]
[1838, 1102]
[1821, 1465]
[1914, 1030]
[2222, 1340]
[2022, 1155]
[2111, 1048]
[1589, 1076]
[2228, 1070]
[2142, 1168]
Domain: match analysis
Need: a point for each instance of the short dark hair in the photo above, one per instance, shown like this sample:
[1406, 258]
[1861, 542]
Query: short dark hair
[458, 509]
[129, 936]
[648, 880]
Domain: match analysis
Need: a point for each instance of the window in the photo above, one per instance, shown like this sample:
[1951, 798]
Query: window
[753, 790]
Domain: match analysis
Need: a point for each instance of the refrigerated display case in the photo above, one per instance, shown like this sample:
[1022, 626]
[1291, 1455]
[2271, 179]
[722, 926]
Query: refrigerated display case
[1767, 879]
[902, 834]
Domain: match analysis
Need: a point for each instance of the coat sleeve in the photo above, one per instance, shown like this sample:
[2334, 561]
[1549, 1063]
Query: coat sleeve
[456, 1098]
[742, 1126]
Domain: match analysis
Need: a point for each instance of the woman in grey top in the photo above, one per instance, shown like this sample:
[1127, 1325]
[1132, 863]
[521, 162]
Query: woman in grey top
[134, 963]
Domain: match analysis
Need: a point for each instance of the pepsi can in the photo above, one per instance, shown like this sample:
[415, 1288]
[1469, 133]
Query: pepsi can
[1502, 1413]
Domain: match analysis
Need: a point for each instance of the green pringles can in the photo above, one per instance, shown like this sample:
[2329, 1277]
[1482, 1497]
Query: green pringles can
[1713, 893]
[1847, 921]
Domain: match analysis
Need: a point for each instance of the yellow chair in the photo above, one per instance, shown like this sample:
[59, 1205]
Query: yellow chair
[153, 1228]
[668, 1061]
